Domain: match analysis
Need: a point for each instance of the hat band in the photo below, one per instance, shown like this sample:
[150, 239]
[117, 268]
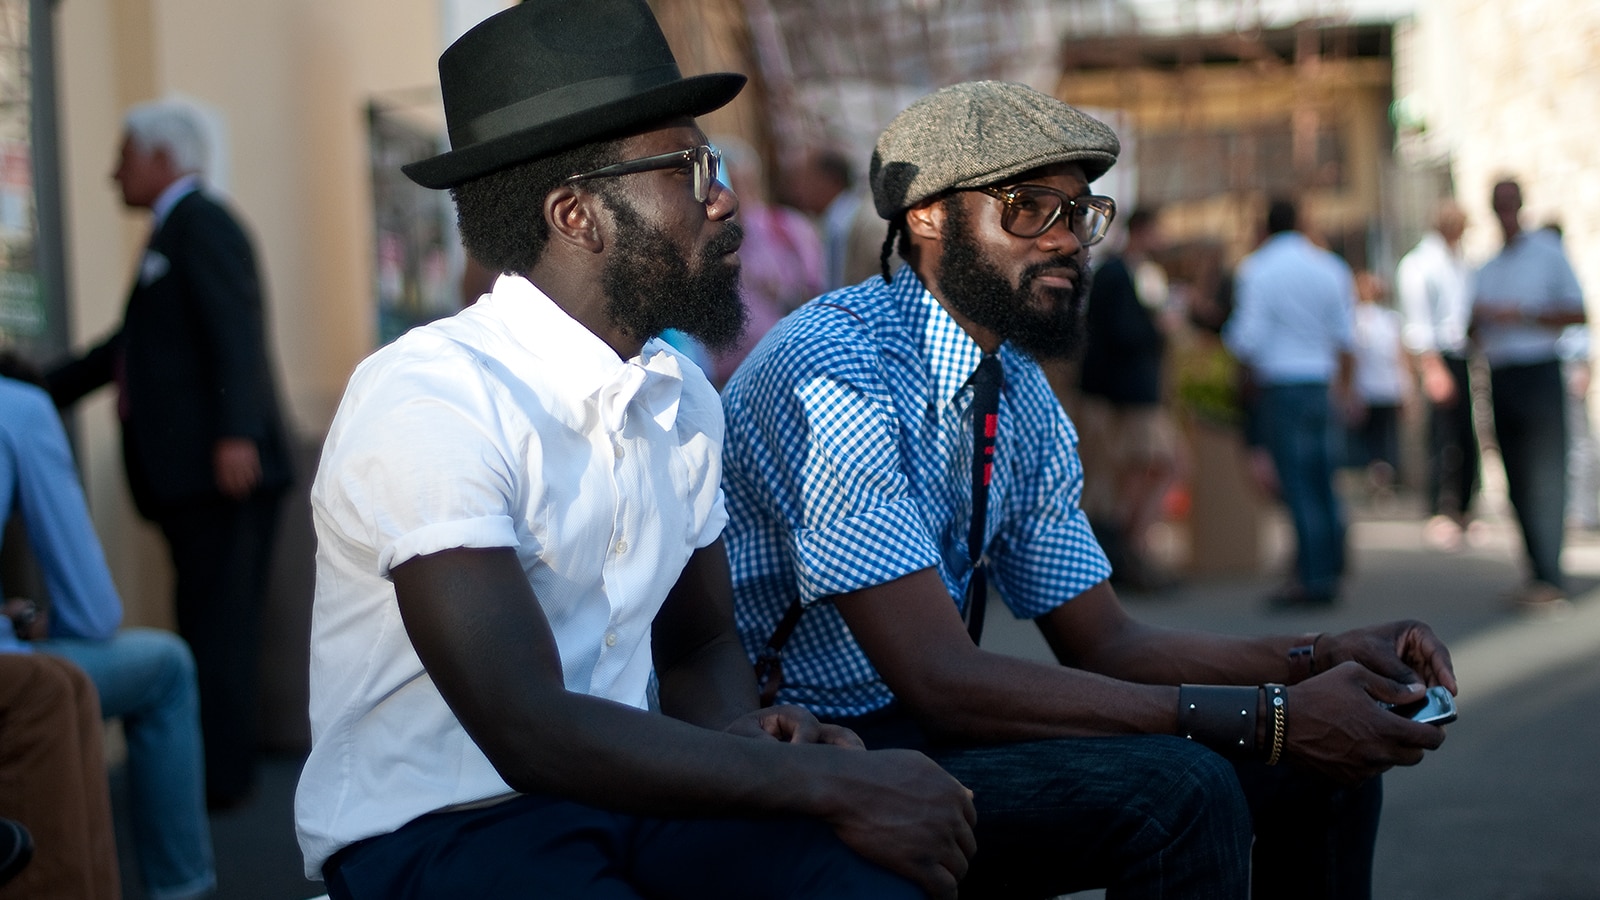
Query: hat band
[558, 103]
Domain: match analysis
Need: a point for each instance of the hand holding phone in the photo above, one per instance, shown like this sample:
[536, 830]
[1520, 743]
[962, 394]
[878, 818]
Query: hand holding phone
[1437, 707]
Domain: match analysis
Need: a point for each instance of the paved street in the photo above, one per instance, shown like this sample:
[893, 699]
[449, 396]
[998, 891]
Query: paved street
[1508, 809]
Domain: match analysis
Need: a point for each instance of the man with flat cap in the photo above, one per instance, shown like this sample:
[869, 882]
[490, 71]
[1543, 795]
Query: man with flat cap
[525, 678]
[894, 449]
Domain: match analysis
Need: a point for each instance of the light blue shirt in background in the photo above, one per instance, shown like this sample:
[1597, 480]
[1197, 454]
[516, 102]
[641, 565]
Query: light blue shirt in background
[1292, 311]
[38, 479]
[1531, 273]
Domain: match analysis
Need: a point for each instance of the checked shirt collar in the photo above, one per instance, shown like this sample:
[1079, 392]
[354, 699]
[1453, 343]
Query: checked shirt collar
[950, 354]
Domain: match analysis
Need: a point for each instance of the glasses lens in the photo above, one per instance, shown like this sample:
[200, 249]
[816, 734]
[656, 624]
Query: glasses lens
[706, 163]
[1091, 218]
[1030, 212]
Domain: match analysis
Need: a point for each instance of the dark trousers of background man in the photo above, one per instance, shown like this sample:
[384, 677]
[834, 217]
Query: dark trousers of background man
[1452, 449]
[1530, 425]
[221, 554]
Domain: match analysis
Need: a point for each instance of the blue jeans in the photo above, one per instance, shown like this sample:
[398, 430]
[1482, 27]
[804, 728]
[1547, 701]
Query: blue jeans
[1530, 423]
[541, 846]
[1297, 426]
[145, 677]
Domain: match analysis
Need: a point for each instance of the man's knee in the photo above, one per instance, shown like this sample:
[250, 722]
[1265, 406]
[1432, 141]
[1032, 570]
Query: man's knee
[1201, 784]
[168, 655]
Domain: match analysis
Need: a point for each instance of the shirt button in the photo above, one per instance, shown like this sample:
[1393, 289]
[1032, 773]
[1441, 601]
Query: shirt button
[617, 449]
[622, 546]
[611, 639]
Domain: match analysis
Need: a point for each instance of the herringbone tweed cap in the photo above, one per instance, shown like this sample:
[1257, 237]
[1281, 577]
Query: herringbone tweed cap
[979, 133]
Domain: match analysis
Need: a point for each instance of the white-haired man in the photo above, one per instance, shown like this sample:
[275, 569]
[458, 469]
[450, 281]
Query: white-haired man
[202, 440]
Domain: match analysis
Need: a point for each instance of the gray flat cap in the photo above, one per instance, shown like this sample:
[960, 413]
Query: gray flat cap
[979, 133]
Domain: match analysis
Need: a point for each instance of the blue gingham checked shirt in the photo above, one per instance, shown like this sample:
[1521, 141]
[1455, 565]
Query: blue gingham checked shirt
[848, 464]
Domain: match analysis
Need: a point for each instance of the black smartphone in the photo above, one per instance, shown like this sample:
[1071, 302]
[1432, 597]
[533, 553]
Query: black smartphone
[1436, 708]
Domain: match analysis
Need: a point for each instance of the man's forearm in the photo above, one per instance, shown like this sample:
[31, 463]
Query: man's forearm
[609, 755]
[711, 687]
[1160, 656]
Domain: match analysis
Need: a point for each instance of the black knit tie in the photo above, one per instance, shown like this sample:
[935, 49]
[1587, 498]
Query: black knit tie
[985, 420]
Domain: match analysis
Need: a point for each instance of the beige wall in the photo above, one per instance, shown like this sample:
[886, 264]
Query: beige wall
[292, 78]
[1511, 87]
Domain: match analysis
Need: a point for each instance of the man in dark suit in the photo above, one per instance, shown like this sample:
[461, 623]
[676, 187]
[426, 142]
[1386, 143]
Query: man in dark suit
[202, 438]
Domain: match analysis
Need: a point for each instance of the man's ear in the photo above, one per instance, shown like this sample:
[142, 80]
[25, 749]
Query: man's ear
[573, 218]
[161, 161]
[926, 219]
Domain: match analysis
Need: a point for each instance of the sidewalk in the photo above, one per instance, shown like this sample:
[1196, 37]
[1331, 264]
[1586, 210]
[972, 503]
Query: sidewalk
[1507, 809]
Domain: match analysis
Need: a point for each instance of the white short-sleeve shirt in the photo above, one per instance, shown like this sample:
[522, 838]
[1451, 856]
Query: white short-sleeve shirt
[507, 425]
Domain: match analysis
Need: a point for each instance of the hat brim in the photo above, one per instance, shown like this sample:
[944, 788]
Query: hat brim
[692, 96]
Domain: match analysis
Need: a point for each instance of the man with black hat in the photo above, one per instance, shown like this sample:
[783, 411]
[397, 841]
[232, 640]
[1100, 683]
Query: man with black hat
[893, 447]
[518, 517]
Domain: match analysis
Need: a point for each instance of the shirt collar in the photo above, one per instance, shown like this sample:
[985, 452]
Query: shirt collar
[590, 369]
[1435, 242]
[159, 210]
[952, 355]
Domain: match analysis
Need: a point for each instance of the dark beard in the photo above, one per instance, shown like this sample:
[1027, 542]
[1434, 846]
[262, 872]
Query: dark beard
[978, 290]
[650, 288]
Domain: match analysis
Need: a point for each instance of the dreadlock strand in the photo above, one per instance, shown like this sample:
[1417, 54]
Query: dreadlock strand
[888, 250]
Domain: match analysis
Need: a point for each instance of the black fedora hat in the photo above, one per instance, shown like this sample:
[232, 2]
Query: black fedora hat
[548, 75]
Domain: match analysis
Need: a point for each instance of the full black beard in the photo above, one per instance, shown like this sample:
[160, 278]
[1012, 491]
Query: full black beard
[650, 287]
[978, 290]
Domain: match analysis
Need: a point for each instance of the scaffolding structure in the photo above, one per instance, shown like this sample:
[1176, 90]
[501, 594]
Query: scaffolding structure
[1221, 104]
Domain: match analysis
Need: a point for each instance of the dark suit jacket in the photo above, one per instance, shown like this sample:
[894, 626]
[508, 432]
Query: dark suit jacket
[192, 348]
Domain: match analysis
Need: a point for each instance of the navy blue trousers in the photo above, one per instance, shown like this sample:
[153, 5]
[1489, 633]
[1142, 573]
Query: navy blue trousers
[543, 847]
[1530, 423]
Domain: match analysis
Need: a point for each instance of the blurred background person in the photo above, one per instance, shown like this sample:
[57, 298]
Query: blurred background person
[1291, 326]
[1128, 439]
[823, 187]
[204, 446]
[1433, 282]
[781, 254]
[143, 676]
[1521, 301]
[1382, 387]
[53, 770]
[1583, 450]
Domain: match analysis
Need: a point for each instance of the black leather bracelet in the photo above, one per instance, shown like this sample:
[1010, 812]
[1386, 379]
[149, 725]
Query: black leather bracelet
[1221, 716]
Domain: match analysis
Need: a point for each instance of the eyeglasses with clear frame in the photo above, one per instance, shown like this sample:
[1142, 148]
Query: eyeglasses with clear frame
[1030, 210]
[704, 161]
